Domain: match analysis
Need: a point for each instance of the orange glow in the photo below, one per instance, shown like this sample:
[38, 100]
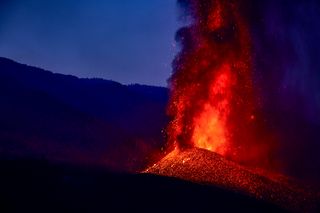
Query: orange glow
[210, 127]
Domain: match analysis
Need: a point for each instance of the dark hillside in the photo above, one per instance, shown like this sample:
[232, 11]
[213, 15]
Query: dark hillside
[79, 120]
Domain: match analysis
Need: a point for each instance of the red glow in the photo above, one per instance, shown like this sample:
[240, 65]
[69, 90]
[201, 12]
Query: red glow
[212, 99]
[215, 19]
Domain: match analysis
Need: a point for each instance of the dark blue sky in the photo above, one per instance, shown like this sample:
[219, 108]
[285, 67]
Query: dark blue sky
[130, 41]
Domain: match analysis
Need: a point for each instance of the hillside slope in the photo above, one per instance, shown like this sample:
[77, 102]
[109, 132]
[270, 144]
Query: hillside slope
[65, 118]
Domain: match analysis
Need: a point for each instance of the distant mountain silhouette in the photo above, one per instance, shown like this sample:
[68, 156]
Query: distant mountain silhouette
[65, 118]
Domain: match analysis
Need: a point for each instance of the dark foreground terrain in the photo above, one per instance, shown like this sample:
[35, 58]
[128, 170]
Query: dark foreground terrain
[39, 186]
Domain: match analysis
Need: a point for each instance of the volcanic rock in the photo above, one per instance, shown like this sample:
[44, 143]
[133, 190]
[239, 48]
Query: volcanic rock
[205, 167]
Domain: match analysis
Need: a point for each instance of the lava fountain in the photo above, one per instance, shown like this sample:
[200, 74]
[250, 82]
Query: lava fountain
[212, 104]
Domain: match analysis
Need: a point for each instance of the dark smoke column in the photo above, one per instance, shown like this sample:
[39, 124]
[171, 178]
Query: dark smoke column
[212, 102]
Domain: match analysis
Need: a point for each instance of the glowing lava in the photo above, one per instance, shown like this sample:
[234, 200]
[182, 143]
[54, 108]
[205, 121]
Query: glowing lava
[212, 102]
[210, 130]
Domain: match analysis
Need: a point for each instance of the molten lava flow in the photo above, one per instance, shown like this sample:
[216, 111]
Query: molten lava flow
[212, 101]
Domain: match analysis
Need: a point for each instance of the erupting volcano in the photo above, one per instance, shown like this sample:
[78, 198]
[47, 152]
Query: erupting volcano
[215, 105]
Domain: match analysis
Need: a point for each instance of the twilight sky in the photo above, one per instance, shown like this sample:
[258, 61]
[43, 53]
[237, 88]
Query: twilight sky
[129, 41]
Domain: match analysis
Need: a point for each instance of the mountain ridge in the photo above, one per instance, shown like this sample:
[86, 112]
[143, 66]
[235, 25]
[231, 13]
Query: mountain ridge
[102, 113]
